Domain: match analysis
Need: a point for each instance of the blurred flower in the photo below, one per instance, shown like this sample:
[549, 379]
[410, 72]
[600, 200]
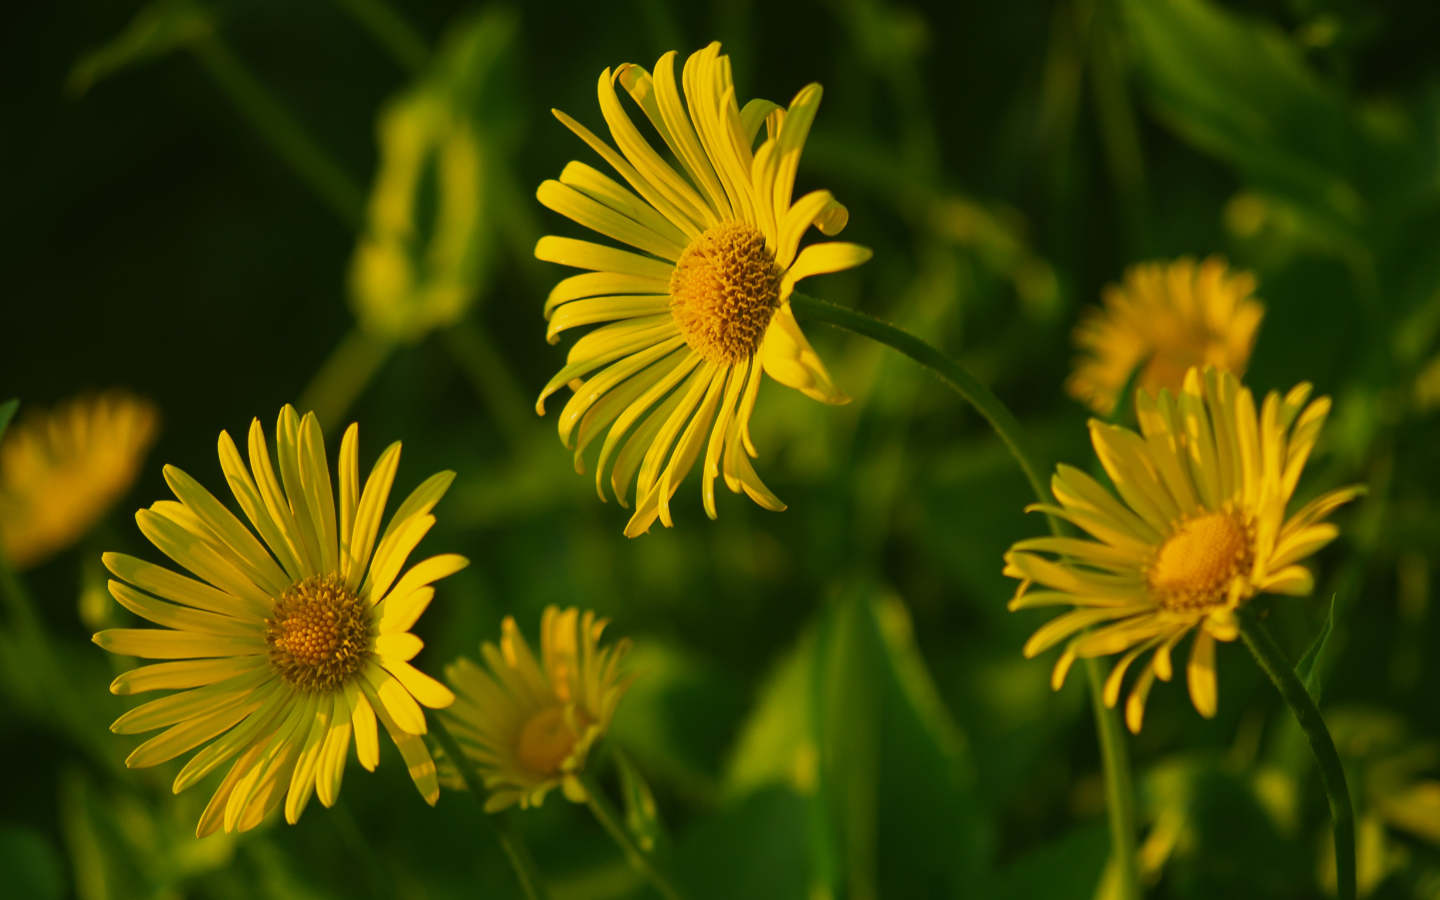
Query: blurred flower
[700, 307]
[1166, 317]
[290, 643]
[418, 266]
[61, 471]
[528, 725]
[1200, 529]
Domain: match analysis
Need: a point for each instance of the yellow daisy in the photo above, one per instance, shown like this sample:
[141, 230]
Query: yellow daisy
[284, 646]
[698, 304]
[526, 724]
[1168, 317]
[60, 471]
[1199, 529]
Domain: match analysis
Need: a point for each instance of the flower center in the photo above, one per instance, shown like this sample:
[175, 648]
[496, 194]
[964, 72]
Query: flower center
[724, 290]
[318, 634]
[1195, 566]
[546, 740]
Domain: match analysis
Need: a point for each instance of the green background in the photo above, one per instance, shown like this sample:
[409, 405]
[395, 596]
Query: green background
[1004, 161]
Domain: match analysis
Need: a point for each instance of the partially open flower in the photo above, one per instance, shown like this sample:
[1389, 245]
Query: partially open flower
[527, 725]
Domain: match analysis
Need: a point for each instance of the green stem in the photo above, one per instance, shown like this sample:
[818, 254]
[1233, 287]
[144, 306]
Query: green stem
[952, 373]
[515, 851]
[638, 859]
[1119, 789]
[489, 375]
[390, 30]
[344, 375]
[287, 137]
[1332, 774]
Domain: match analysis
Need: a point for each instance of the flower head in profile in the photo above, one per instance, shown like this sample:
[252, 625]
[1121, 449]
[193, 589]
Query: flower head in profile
[61, 470]
[696, 301]
[289, 636]
[1198, 529]
[526, 724]
[1166, 317]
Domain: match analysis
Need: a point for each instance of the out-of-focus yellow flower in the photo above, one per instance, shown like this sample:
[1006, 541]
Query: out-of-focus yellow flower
[419, 264]
[1166, 317]
[282, 647]
[60, 471]
[1199, 528]
[698, 307]
[527, 725]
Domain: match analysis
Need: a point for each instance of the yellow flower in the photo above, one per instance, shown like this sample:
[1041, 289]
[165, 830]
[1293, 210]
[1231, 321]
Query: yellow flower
[528, 725]
[1199, 529]
[61, 471]
[1168, 317]
[284, 646]
[699, 305]
[418, 265]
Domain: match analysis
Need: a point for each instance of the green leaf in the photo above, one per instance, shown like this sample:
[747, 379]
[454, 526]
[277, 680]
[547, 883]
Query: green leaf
[642, 816]
[7, 412]
[1309, 668]
[156, 30]
[852, 722]
[1242, 91]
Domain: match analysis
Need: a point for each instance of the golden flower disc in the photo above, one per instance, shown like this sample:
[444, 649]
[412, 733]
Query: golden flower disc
[318, 634]
[724, 290]
[545, 741]
[1194, 567]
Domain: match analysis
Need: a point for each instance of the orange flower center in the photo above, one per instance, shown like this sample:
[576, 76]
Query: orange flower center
[724, 290]
[1196, 565]
[318, 634]
[546, 740]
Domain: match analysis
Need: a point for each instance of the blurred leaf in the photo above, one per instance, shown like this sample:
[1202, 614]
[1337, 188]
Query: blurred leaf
[642, 816]
[1243, 91]
[31, 864]
[156, 30]
[1309, 668]
[1064, 869]
[755, 848]
[851, 719]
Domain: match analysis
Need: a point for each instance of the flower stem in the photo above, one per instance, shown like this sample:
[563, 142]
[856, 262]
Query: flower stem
[515, 850]
[952, 373]
[286, 136]
[638, 859]
[1120, 792]
[391, 31]
[343, 375]
[1332, 774]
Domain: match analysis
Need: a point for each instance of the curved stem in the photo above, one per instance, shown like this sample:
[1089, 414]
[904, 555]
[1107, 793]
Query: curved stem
[1120, 792]
[641, 862]
[1332, 773]
[282, 130]
[515, 850]
[946, 369]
